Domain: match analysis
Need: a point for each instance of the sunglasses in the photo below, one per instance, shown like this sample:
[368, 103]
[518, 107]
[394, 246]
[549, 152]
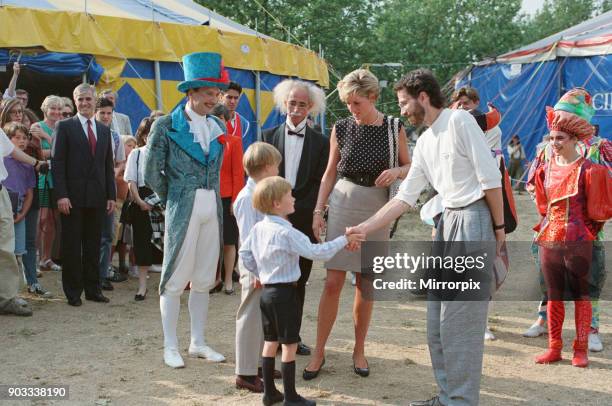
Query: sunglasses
[66, 114]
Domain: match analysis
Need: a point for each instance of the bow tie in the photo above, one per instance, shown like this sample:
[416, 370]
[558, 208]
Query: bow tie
[298, 134]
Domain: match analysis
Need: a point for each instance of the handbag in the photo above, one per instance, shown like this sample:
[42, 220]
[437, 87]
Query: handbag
[394, 153]
[128, 213]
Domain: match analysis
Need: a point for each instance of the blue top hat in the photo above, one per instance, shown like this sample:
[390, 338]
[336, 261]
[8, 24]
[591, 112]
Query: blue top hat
[203, 69]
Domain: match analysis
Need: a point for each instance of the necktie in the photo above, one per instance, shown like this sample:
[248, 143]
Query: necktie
[298, 134]
[92, 138]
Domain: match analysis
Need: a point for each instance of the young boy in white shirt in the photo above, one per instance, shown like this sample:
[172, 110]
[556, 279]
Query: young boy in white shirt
[272, 252]
[260, 161]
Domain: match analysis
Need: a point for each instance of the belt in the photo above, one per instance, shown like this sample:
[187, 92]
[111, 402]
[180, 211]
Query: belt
[281, 285]
[361, 180]
[464, 207]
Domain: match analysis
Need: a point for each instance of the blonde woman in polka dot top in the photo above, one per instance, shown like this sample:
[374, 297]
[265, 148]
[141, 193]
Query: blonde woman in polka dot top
[355, 185]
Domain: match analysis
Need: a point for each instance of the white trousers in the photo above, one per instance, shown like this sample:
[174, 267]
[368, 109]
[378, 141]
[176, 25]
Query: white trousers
[197, 259]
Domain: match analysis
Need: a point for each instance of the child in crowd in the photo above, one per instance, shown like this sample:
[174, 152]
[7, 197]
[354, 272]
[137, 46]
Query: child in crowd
[20, 183]
[260, 161]
[272, 252]
[123, 234]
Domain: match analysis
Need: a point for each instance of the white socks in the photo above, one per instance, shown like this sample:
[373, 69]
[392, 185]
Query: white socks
[198, 311]
[169, 307]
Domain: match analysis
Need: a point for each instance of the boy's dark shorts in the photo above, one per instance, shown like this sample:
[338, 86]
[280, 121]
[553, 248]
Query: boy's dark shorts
[280, 313]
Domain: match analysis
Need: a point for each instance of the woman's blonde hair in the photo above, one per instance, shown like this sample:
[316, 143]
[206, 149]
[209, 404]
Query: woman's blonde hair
[268, 191]
[51, 101]
[361, 82]
[259, 155]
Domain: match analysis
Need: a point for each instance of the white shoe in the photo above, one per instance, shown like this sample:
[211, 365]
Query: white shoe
[488, 335]
[172, 358]
[595, 344]
[155, 268]
[205, 352]
[535, 330]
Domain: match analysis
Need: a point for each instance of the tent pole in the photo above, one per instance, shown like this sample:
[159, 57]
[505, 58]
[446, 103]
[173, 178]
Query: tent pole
[84, 77]
[159, 105]
[258, 104]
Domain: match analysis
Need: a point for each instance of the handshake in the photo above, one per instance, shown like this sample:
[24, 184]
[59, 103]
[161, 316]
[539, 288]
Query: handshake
[355, 235]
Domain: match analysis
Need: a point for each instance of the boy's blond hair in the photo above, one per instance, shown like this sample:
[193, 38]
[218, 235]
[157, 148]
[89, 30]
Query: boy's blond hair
[269, 191]
[129, 138]
[258, 156]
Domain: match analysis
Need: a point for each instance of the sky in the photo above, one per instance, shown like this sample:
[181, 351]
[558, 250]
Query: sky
[530, 6]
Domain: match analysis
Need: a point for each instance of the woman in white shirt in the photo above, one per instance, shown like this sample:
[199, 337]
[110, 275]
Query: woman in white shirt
[139, 210]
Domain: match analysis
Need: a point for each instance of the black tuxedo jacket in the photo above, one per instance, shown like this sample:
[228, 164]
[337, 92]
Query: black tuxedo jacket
[313, 162]
[88, 181]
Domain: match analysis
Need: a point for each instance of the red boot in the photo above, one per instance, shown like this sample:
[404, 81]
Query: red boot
[583, 312]
[555, 311]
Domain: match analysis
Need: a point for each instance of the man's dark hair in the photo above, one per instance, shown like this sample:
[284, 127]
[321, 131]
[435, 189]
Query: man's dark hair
[235, 86]
[103, 102]
[467, 91]
[22, 91]
[421, 80]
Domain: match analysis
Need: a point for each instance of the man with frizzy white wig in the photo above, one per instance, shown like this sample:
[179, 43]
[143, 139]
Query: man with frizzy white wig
[304, 158]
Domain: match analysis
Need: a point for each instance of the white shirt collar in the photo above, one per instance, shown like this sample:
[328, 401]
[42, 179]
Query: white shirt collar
[297, 128]
[84, 119]
[277, 219]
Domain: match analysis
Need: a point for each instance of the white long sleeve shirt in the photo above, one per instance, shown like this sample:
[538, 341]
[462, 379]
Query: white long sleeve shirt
[246, 215]
[273, 249]
[453, 156]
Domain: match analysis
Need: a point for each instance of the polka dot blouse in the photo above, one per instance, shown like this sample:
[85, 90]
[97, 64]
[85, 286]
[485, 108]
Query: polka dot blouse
[364, 149]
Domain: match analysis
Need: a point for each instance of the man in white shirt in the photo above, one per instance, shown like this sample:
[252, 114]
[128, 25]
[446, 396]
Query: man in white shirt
[453, 157]
[104, 114]
[9, 270]
[121, 122]
[305, 153]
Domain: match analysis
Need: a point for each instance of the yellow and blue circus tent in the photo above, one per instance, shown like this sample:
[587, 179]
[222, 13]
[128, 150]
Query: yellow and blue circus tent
[135, 47]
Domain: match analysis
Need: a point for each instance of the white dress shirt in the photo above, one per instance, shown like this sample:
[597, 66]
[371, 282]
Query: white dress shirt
[6, 148]
[138, 155]
[453, 156]
[204, 129]
[83, 121]
[273, 249]
[246, 215]
[293, 149]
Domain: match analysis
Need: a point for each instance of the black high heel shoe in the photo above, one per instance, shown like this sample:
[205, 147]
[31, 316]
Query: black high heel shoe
[140, 298]
[218, 287]
[308, 375]
[363, 372]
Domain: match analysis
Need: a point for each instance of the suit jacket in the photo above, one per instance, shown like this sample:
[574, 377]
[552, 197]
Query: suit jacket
[121, 124]
[88, 181]
[313, 162]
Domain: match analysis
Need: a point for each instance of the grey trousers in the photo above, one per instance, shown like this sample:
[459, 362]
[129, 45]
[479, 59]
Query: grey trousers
[455, 329]
[249, 328]
[9, 270]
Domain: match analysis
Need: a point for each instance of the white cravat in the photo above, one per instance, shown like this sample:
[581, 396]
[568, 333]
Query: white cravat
[204, 130]
[293, 150]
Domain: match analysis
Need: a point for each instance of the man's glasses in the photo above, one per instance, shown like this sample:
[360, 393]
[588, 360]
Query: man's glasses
[66, 114]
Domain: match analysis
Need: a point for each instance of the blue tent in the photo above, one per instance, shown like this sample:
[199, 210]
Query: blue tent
[523, 82]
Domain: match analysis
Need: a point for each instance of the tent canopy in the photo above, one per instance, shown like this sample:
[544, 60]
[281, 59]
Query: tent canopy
[521, 83]
[135, 48]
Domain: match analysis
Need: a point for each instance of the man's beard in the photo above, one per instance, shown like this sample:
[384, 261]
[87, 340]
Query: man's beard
[417, 118]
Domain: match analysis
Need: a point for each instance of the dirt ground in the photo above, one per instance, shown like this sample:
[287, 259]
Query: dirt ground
[111, 354]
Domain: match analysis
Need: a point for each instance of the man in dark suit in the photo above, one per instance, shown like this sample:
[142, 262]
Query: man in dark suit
[305, 153]
[83, 173]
